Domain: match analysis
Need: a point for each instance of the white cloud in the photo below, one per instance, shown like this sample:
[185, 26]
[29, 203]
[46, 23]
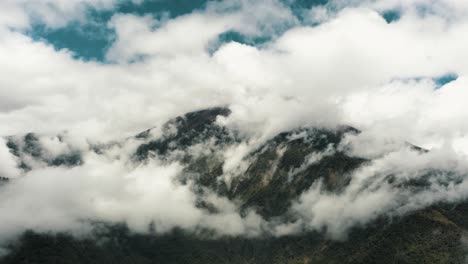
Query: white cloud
[354, 68]
[188, 34]
[371, 194]
[114, 191]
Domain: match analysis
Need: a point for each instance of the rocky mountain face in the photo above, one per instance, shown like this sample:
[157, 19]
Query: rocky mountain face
[28, 149]
[270, 178]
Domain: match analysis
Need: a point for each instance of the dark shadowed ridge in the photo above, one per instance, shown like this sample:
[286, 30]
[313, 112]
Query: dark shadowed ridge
[29, 146]
[187, 130]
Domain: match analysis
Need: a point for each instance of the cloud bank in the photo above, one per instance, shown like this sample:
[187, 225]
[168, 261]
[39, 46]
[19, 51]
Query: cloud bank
[341, 63]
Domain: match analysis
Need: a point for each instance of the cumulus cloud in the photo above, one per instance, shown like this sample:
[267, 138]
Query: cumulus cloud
[349, 67]
[297, 72]
[183, 35]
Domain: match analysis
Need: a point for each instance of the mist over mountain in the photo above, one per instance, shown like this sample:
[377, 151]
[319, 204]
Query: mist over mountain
[233, 131]
[195, 190]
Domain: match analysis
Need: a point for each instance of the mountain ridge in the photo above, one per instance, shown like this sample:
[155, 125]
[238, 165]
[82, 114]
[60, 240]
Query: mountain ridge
[277, 174]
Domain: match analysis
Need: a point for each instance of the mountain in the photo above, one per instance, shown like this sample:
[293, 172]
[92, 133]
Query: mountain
[271, 178]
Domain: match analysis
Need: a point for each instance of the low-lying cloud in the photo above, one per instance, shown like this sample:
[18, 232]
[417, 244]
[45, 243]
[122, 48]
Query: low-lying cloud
[342, 64]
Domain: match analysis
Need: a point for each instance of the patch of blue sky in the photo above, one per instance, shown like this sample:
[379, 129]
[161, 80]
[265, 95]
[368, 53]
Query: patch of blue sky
[391, 15]
[444, 79]
[234, 36]
[301, 8]
[439, 81]
[85, 41]
[173, 7]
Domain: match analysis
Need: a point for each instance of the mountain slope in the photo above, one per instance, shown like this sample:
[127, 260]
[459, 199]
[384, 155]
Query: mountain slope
[427, 236]
[274, 175]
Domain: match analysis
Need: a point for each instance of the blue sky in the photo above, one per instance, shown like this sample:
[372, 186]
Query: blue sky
[91, 39]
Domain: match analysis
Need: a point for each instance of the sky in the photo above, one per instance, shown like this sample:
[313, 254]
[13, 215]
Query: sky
[58, 57]
[103, 70]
